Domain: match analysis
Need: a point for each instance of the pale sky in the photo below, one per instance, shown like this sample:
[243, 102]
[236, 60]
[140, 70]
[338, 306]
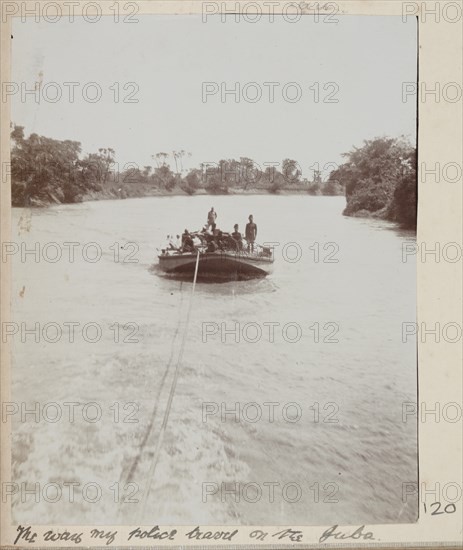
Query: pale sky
[170, 57]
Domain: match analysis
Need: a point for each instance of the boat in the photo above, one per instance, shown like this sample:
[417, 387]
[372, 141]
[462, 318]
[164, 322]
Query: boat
[221, 264]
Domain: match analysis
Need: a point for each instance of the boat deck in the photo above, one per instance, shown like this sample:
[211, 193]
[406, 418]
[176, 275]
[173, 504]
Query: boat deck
[243, 255]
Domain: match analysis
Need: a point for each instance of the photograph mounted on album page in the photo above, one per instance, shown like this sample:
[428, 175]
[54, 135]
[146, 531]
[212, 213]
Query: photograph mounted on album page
[231, 274]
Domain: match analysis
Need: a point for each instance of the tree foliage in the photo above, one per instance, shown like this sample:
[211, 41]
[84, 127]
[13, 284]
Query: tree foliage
[44, 170]
[48, 170]
[380, 179]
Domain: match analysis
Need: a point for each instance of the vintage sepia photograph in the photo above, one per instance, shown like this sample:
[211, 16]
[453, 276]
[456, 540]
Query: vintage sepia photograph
[213, 257]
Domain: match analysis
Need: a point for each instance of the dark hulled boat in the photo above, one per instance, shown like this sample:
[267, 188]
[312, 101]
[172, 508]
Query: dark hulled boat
[221, 265]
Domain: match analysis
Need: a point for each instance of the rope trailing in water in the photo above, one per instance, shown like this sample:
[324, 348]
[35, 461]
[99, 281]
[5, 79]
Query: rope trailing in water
[171, 394]
[144, 442]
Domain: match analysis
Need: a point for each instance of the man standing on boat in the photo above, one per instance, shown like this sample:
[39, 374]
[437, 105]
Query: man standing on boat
[211, 218]
[251, 233]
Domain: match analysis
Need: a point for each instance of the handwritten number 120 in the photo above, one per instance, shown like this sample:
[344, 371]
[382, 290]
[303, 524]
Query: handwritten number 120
[449, 509]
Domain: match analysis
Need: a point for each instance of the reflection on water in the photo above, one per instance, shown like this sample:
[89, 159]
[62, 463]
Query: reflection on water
[323, 333]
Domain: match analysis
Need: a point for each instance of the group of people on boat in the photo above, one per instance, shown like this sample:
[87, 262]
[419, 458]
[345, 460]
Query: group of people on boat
[211, 239]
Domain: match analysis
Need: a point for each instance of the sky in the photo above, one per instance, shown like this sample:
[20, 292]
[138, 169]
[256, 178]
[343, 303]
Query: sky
[361, 61]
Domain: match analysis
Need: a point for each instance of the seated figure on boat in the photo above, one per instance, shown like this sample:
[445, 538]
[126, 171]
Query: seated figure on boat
[175, 244]
[222, 241]
[216, 242]
[187, 242]
[236, 239]
[212, 246]
[169, 244]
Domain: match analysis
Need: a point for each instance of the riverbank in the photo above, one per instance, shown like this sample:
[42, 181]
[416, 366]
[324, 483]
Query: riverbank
[114, 193]
[380, 180]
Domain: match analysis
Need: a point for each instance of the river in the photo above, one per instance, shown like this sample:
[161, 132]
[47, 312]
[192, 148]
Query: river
[320, 339]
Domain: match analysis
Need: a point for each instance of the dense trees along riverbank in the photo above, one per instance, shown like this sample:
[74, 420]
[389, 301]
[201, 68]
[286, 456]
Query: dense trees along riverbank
[378, 179]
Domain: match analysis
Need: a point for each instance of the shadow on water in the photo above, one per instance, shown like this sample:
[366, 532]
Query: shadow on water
[377, 224]
[403, 232]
